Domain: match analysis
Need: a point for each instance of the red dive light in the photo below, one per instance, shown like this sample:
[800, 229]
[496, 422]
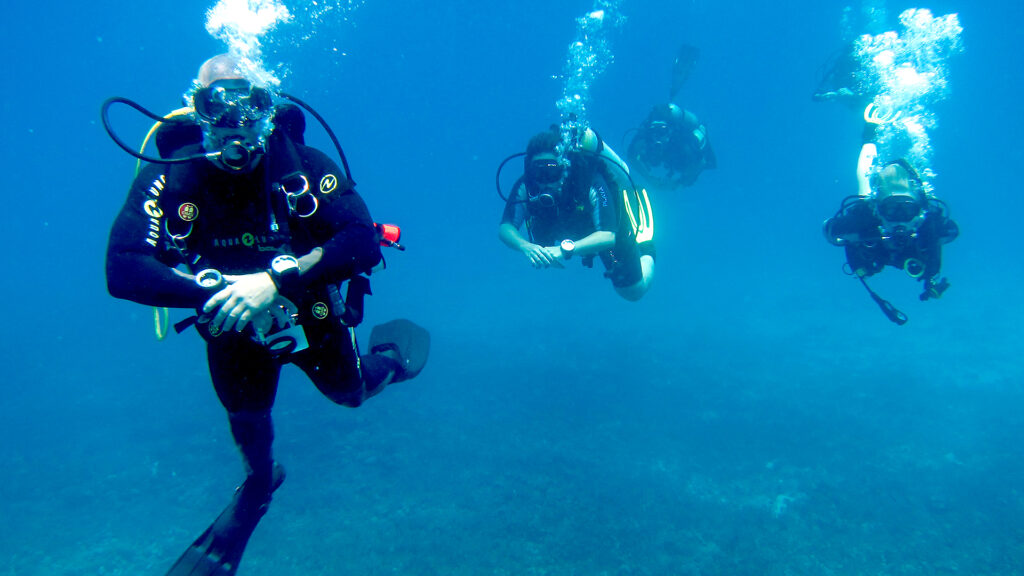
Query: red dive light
[390, 234]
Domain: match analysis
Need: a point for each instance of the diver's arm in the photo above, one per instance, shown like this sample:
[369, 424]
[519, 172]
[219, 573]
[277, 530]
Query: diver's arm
[855, 223]
[595, 242]
[135, 267]
[248, 297]
[353, 249]
[865, 160]
[539, 256]
[512, 218]
[510, 236]
[345, 240]
[590, 244]
[868, 151]
[863, 261]
[933, 263]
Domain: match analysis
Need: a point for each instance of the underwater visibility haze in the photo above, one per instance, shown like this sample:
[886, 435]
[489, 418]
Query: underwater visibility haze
[753, 414]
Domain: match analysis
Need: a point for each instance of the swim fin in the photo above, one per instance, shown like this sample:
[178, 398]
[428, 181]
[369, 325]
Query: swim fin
[685, 60]
[409, 341]
[219, 549]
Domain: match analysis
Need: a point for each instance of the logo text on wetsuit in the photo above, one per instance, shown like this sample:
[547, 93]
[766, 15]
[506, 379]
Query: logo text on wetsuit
[262, 243]
[152, 209]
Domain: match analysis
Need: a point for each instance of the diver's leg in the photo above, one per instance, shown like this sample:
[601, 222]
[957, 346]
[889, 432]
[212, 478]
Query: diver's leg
[245, 377]
[630, 267]
[398, 352]
[333, 363]
[254, 434]
[636, 291]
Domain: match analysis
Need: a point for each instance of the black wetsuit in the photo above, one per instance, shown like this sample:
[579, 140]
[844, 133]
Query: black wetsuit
[679, 159]
[573, 215]
[858, 229]
[198, 216]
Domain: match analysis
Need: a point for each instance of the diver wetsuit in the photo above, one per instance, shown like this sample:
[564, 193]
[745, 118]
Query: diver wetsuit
[572, 215]
[198, 216]
[859, 230]
[227, 222]
[671, 149]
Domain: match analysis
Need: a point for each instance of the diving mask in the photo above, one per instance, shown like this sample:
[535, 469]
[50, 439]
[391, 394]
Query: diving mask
[901, 216]
[232, 103]
[658, 132]
[899, 208]
[546, 171]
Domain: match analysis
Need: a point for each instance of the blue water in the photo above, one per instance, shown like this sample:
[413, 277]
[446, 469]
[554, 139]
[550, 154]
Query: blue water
[754, 414]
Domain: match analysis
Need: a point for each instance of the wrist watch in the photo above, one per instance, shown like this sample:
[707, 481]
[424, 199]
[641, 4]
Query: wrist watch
[568, 247]
[284, 271]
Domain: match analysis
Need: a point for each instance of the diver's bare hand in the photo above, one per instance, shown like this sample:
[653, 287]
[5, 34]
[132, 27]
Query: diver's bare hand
[241, 301]
[557, 256]
[279, 314]
[539, 256]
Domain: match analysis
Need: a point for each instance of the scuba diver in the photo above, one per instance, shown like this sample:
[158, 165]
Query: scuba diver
[838, 81]
[894, 222]
[671, 148]
[580, 204]
[241, 221]
[840, 78]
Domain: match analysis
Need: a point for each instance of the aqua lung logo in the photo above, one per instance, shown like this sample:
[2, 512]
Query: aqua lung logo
[328, 183]
[262, 243]
[320, 310]
[152, 209]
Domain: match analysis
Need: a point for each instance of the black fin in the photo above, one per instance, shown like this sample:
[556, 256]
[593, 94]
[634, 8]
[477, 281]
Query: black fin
[409, 340]
[686, 59]
[219, 549]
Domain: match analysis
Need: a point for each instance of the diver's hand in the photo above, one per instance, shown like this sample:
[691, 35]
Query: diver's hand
[279, 314]
[539, 256]
[933, 289]
[557, 256]
[245, 299]
[282, 311]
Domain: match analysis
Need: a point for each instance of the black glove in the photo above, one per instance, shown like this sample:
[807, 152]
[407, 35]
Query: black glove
[933, 289]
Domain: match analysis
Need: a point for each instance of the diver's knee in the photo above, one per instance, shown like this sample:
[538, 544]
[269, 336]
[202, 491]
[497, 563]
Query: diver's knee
[634, 292]
[647, 268]
[348, 399]
[630, 293]
[643, 273]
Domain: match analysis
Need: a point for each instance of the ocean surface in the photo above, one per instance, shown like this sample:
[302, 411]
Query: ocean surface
[754, 414]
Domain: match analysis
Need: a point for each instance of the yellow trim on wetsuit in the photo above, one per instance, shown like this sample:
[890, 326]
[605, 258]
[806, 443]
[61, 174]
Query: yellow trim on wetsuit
[643, 221]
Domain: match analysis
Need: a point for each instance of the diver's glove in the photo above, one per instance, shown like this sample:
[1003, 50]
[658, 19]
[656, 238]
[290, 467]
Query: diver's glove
[934, 289]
